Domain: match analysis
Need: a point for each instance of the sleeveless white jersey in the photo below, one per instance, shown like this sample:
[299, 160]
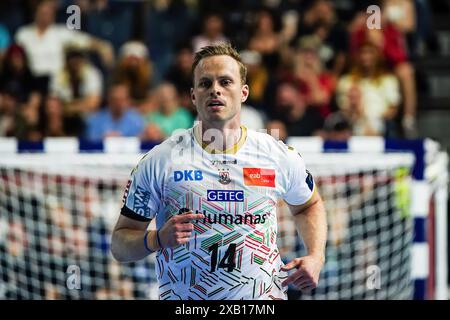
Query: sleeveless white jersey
[233, 252]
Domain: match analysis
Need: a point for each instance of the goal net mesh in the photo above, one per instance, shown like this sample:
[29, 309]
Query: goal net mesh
[57, 213]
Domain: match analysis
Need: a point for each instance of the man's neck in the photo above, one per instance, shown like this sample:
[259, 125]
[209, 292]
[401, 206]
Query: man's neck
[169, 110]
[219, 137]
[41, 29]
[116, 115]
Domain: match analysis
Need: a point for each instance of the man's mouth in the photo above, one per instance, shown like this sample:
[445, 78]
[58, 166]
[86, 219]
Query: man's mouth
[215, 104]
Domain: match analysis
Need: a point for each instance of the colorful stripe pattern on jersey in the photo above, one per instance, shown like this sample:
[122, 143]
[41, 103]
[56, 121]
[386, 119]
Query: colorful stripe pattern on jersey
[233, 252]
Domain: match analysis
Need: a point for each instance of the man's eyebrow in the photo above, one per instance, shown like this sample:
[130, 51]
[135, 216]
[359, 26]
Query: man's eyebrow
[225, 76]
[221, 77]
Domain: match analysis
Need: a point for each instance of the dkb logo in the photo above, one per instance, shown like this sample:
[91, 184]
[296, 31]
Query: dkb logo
[188, 175]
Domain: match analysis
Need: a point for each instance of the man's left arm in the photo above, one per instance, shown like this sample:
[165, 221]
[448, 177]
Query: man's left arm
[311, 223]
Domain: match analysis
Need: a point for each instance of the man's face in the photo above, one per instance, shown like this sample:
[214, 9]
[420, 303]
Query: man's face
[288, 97]
[368, 56]
[167, 97]
[45, 14]
[213, 26]
[185, 59]
[118, 99]
[218, 92]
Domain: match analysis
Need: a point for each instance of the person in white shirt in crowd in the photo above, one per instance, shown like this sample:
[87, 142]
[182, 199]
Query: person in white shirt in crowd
[369, 95]
[44, 42]
[78, 84]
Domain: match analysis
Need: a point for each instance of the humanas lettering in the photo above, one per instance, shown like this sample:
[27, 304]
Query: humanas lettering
[226, 218]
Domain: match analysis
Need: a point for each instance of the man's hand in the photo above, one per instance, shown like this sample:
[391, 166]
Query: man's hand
[152, 132]
[306, 277]
[178, 229]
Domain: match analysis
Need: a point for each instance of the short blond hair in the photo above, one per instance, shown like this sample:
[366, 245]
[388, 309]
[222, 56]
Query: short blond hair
[223, 49]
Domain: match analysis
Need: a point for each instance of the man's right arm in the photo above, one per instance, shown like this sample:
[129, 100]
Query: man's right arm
[128, 236]
[128, 240]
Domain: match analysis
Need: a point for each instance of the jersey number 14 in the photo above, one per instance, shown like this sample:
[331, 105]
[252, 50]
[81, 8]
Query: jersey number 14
[227, 260]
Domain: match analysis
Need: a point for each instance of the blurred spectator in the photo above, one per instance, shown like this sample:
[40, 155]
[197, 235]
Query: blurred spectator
[77, 242]
[401, 13]
[169, 116]
[257, 77]
[315, 83]
[150, 104]
[135, 70]
[212, 32]
[119, 119]
[180, 75]
[369, 95]
[17, 120]
[15, 75]
[391, 42]
[17, 237]
[424, 38]
[321, 20]
[55, 122]
[337, 127]
[44, 43]
[252, 118]
[118, 286]
[291, 108]
[14, 246]
[78, 84]
[266, 38]
[5, 40]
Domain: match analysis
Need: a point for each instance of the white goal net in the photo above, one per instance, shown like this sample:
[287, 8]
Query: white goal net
[57, 213]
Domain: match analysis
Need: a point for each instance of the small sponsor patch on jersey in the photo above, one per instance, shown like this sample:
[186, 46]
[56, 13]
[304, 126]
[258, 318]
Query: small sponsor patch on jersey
[224, 176]
[309, 180]
[141, 199]
[259, 177]
[291, 148]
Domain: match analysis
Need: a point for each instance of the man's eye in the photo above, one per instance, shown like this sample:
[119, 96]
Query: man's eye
[226, 82]
[204, 84]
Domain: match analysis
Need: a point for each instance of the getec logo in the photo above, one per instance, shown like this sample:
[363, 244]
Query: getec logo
[226, 195]
[187, 175]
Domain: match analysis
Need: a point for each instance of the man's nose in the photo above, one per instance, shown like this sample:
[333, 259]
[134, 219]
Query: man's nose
[215, 90]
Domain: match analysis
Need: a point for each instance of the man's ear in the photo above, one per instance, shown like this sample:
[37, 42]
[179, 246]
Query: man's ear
[193, 96]
[245, 92]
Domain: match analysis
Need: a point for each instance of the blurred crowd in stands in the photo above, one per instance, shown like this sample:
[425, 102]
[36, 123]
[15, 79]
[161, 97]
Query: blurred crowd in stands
[314, 66]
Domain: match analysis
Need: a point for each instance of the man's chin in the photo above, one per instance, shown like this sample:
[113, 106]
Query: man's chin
[216, 116]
